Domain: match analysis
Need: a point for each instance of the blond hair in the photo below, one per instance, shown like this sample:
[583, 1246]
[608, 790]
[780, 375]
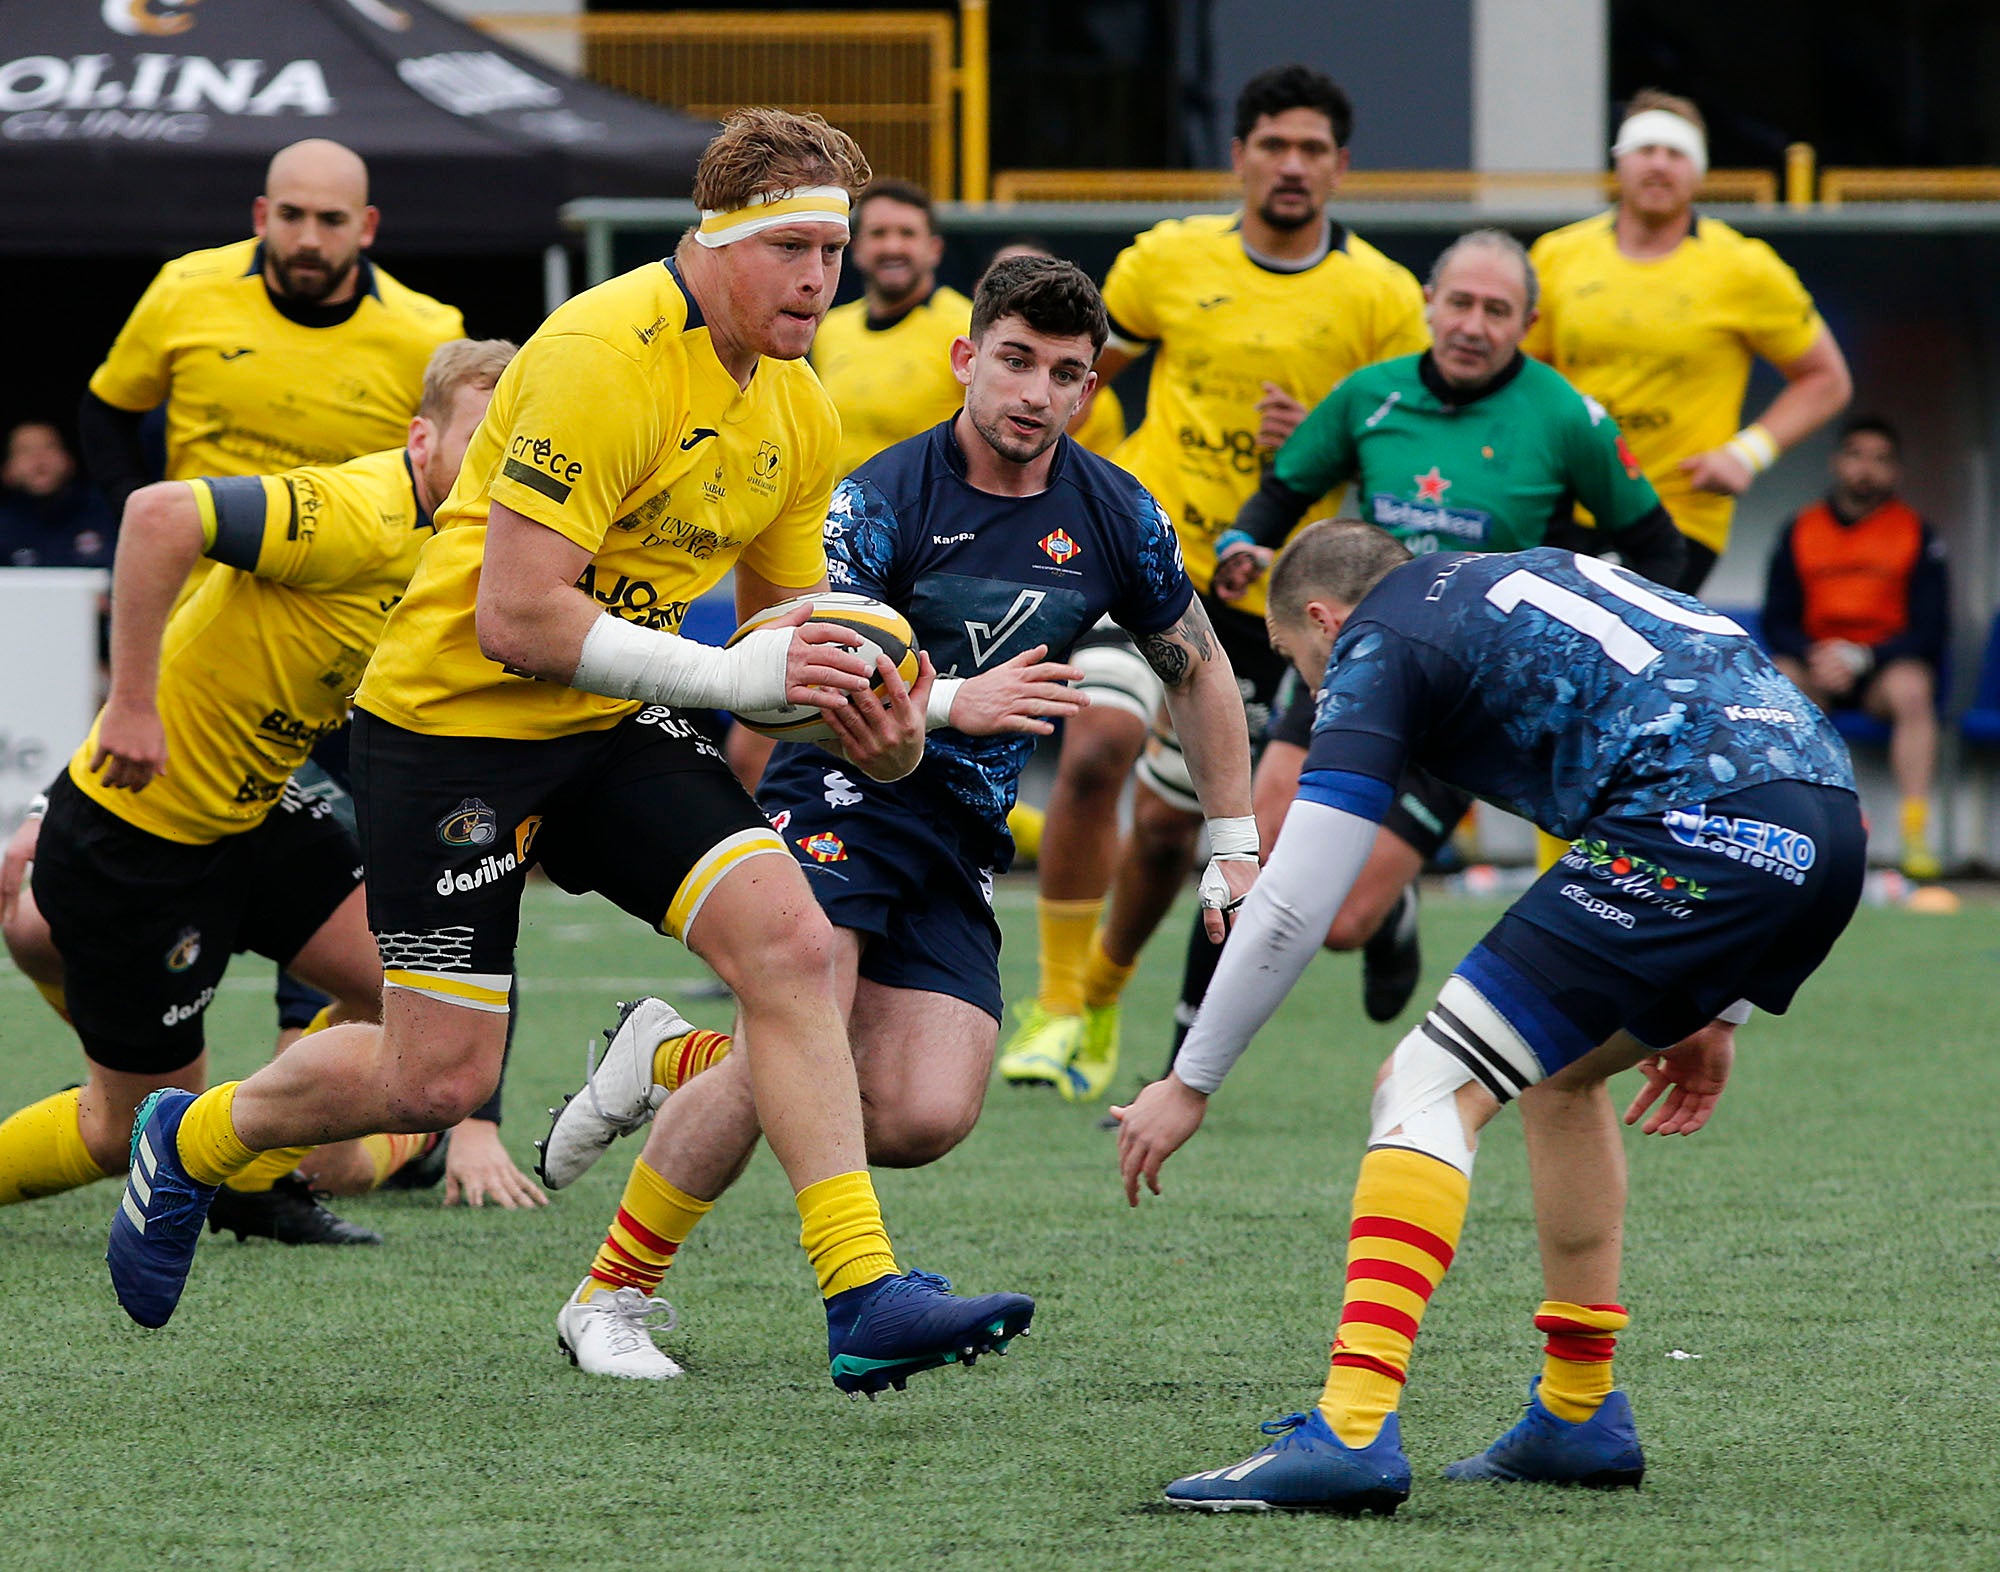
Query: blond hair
[1652, 98]
[1339, 560]
[759, 151]
[460, 363]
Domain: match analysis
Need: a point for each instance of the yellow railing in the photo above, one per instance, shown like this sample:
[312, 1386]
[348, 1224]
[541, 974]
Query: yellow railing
[887, 77]
[1361, 185]
[1908, 185]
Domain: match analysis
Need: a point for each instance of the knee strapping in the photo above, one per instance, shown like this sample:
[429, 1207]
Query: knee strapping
[1462, 1039]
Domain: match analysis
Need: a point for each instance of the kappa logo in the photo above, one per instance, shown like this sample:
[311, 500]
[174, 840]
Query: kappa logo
[471, 823]
[986, 638]
[1597, 908]
[186, 950]
[1060, 547]
[824, 846]
[840, 792]
[781, 820]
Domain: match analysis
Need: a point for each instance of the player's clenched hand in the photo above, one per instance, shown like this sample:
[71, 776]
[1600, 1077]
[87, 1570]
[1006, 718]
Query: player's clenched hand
[1718, 470]
[1155, 1125]
[14, 865]
[824, 662]
[1026, 694]
[1235, 875]
[883, 736]
[1238, 568]
[1278, 416]
[131, 746]
[1692, 1074]
[477, 1169]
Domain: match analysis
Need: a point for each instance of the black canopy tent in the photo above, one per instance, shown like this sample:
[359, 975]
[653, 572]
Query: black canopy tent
[145, 125]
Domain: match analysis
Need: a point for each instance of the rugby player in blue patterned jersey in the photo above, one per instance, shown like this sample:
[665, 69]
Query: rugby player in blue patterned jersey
[1718, 853]
[1003, 542]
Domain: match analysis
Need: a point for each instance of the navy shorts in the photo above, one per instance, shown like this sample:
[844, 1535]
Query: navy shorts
[1656, 922]
[882, 866]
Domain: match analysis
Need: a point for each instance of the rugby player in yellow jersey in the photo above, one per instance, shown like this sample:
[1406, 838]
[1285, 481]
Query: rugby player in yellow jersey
[885, 359]
[530, 702]
[1657, 312]
[284, 349]
[1254, 317]
[157, 855]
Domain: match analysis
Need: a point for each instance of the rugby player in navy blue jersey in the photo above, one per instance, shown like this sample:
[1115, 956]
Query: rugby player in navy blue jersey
[1003, 542]
[1718, 853]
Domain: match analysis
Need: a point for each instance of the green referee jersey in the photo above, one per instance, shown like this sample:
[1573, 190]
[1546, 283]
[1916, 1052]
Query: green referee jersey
[1493, 473]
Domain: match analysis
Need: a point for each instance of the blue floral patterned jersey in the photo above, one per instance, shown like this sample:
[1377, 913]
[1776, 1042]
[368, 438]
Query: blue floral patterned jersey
[983, 578]
[1559, 687]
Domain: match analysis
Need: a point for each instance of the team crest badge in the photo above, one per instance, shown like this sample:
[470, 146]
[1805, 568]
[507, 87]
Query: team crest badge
[186, 950]
[471, 823]
[1060, 547]
[824, 847]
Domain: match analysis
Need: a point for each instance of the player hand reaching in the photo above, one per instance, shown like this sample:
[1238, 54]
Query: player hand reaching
[1237, 567]
[823, 663]
[131, 745]
[1696, 1069]
[477, 1169]
[1718, 470]
[1152, 1127]
[883, 737]
[1024, 694]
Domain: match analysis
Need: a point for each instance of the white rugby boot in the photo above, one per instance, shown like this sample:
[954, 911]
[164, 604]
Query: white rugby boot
[619, 1094]
[611, 1333]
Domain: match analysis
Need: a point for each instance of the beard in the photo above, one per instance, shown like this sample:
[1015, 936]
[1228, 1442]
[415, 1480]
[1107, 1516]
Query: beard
[1009, 443]
[311, 280]
[1285, 220]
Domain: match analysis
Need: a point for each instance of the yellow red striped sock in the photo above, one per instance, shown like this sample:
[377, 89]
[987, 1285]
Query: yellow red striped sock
[1408, 1210]
[387, 1153]
[1065, 929]
[1576, 1359]
[210, 1149]
[841, 1230]
[1103, 978]
[654, 1220]
[42, 1151]
[679, 1060]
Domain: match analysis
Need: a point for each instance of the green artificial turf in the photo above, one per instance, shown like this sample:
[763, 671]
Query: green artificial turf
[1827, 1250]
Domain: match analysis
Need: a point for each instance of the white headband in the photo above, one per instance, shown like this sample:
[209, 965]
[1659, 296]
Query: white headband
[812, 205]
[1663, 128]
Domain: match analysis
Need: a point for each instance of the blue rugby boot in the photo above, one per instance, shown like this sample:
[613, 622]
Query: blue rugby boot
[1602, 1453]
[159, 1218]
[1306, 1469]
[884, 1332]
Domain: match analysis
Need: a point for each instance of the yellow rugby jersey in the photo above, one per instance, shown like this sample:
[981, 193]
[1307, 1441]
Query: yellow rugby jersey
[618, 428]
[1225, 326]
[248, 390]
[890, 382]
[257, 665]
[1665, 344]
[1103, 425]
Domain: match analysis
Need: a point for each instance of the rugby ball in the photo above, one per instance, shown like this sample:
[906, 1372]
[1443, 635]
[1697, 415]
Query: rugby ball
[884, 631]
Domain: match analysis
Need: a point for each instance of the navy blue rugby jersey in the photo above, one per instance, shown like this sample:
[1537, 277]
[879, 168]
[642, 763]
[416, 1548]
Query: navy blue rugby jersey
[983, 578]
[1559, 687]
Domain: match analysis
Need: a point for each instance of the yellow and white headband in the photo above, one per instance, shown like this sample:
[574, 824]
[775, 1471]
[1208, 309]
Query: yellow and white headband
[813, 205]
[1663, 128]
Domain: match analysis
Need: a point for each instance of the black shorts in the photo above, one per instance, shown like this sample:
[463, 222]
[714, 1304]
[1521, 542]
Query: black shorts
[645, 813]
[881, 865]
[146, 925]
[1424, 811]
[1656, 922]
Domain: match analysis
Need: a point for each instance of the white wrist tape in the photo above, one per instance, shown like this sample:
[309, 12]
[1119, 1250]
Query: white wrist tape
[1736, 1014]
[624, 661]
[1233, 840]
[1755, 447]
[37, 806]
[937, 713]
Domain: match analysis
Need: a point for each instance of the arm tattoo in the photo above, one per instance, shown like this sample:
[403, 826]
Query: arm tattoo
[1176, 653]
